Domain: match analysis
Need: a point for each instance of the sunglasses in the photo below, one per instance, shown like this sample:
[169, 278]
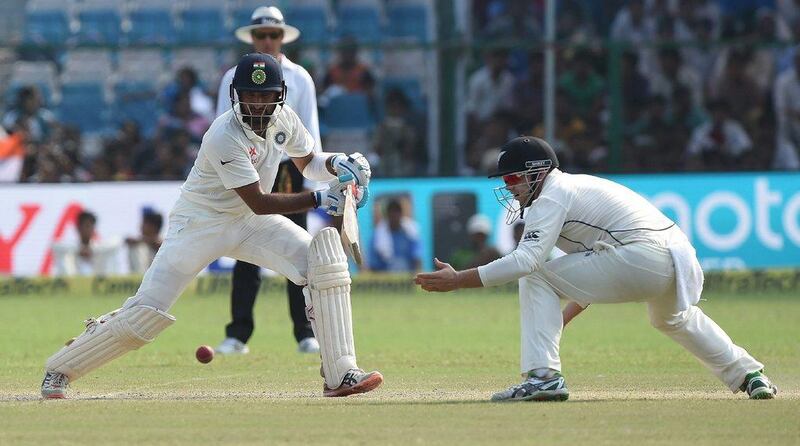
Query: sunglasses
[261, 35]
[512, 179]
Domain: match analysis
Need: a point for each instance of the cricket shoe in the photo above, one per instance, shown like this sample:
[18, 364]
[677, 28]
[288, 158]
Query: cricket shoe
[355, 381]
[308, 345]
[232, 346]
[54, 386]
[758, 386]
[536, 389]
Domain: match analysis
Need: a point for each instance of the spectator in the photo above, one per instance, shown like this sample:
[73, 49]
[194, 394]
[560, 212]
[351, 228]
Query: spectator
[29, 115]
[167, 161]
[738, 88]
[787, 113]
[672, 73]
[349, 74]
[718, 144]
[396, 141]
[182, 117]
[528, 98]
[517, 21]
[87, 256]
[187, 83]
[142, 249]
[489, 90]
[484, 149]
[703, 52]
[395, 244]
[632, 26]
[657, 142]
[480, 252]
[582, 85]
[635, 87]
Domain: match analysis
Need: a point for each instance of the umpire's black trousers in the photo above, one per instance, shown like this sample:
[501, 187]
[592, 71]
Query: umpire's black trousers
[247, 277]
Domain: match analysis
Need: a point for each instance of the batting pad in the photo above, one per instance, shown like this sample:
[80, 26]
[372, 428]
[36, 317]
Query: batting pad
[109, 337]
[328, 305]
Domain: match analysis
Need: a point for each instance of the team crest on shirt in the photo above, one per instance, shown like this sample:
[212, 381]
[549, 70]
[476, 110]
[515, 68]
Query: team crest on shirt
[280, 138]
[531, 236]
[253, 155]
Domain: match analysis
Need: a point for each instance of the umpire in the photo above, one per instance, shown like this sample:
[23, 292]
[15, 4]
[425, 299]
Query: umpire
[267, 32]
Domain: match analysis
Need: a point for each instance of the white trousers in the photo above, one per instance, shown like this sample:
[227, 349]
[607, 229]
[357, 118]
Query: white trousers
[640, 271]
[195, 238]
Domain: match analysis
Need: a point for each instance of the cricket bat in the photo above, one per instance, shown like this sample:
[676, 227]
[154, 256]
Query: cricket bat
[350, 237]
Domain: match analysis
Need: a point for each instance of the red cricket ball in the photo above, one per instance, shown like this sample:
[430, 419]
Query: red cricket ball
[204, 354]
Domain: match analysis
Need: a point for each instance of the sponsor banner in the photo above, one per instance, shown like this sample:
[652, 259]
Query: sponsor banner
[736, 221]
[726, 282]
[34, 216]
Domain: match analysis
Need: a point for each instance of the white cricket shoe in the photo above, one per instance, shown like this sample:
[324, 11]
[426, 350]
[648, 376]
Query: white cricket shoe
[308, 345]
[232, 346]
[536, 389]
[355, 381]
[54, 385]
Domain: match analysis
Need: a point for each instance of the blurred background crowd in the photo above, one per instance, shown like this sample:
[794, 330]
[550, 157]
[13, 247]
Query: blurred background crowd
[102, 90]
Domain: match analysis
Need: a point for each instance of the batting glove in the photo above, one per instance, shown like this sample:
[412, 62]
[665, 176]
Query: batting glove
[355, 165]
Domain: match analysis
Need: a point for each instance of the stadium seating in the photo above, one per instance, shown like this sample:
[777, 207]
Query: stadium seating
[202, 26]
[83, 105]
[46, 27]
[349, 110]
[410, 87]
[312, 22]
[151, 26]
[138, 101]
[99, 26]
[363, 22]
[408, 22]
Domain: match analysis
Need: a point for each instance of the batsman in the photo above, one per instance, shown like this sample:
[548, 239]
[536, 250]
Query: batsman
[224, 211]
[620, 248]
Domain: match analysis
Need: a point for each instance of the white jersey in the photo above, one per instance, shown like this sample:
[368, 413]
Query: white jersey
[232, 156]
[301, 95]
[573, 213]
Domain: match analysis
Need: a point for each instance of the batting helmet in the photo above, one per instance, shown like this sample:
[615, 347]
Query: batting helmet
[257, 72]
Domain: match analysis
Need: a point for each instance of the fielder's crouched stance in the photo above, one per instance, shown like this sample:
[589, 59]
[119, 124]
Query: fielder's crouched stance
[223, 211]
[620, 248]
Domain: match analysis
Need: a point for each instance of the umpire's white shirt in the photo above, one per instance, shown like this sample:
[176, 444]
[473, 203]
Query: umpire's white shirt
[232, 156]
[301, 95]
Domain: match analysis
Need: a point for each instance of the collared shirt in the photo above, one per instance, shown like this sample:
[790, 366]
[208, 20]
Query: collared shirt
[573, 213]
[232, 156]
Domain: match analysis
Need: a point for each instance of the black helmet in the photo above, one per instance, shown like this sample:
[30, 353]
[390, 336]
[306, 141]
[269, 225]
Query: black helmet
[257, 72]
[524, 153]
[524, 163]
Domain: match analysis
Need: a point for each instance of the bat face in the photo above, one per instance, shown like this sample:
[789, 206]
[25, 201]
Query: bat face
[350, 236]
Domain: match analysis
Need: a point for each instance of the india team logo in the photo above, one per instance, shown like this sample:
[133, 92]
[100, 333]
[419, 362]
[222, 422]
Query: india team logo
[280, 138]
[259, 77]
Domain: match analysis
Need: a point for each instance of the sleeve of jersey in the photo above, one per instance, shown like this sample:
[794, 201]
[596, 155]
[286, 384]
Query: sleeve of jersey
[230, 161]
[542, 228]
[300, 142]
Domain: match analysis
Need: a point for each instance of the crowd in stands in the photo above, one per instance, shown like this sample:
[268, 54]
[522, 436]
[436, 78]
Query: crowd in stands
[676, 85]
[698, 85]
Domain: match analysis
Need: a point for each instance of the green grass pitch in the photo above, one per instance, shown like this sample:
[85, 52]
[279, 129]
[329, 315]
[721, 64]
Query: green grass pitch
[442, 357]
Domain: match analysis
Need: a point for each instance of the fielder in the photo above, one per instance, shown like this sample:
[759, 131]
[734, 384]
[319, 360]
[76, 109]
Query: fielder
[619, 247]
[223, 211]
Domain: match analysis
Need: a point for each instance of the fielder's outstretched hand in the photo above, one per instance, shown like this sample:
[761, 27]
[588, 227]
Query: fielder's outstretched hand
[442, 280]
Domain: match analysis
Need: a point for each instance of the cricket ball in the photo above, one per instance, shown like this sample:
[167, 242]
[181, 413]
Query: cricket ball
[204, 354]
